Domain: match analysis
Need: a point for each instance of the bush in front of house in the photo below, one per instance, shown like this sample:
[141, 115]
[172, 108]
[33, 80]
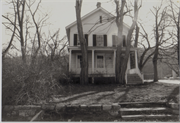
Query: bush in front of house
[29, 84]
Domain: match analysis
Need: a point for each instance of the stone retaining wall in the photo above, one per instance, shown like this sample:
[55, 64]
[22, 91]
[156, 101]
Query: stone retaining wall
[28, 112]
[174, 108]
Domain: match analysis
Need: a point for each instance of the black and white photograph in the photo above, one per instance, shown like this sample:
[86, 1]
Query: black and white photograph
[90, 60]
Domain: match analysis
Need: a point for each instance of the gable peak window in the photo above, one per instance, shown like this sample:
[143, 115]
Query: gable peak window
[100, 19]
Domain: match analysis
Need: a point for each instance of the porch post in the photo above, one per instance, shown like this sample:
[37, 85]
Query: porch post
[92, 61]
[114, 61]
[136, 59]
[70, 51]
[92, 66]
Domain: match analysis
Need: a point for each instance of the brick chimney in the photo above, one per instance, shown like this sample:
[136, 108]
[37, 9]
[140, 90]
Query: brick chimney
[98, 4]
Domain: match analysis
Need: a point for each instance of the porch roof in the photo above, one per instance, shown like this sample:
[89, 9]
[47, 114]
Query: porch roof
[99, 48]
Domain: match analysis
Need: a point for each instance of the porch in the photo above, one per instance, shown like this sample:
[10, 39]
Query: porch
[101, 62]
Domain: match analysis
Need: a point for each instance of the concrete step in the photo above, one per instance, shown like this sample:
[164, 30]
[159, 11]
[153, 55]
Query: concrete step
[150, 117]
[154, 110]
[134, 82]
[133, 79]
[142, 104]
[149, 111]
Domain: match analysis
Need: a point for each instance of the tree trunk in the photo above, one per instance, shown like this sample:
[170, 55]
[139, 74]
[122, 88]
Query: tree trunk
[20, 14]
[122, 59]
[119, 23]
[118, 63]
[155, 65]
[155, 57]
[83, 43]
[178, 36]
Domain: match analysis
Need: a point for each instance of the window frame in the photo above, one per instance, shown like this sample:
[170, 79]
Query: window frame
[102, 40]
[78, 41]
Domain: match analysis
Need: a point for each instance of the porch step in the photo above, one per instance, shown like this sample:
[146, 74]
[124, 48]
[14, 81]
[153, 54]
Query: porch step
[142, 104]
[134, 82]
[147, 112]
[134, 79]
[135, 111]
[150, 117]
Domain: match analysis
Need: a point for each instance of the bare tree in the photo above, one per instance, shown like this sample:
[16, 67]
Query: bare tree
[161, 24]
[168, 54]
[53, 46]
[175, 16]
[13, 31]
[20, 6]
[148, 50]
[23, 24]
[121, 60]
[83, 44]
[38, 26]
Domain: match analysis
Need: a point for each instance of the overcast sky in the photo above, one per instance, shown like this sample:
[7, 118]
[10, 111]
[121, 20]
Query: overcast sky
[62, 12]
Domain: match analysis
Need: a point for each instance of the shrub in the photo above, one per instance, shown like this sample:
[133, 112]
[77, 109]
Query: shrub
[28, 84]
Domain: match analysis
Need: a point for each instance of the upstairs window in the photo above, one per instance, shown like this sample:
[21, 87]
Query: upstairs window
[100, 40]
[77, 41]
[114, 40]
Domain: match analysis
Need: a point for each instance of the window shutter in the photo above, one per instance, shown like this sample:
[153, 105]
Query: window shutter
[113, 40]
[75, 39]
[124, 41]
[94, 40]
[105, 40]
[86, 37]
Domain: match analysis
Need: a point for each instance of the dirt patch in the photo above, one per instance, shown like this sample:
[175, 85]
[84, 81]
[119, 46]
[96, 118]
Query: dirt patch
[111, 93]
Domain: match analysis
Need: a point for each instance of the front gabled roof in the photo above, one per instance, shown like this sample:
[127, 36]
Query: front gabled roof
[89, 14]
[86, 16]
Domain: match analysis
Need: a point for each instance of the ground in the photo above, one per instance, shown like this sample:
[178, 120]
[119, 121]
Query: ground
[76, 94]
[111, 93]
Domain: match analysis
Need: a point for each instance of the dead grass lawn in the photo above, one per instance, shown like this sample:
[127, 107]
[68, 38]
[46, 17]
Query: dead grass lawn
[111, 93]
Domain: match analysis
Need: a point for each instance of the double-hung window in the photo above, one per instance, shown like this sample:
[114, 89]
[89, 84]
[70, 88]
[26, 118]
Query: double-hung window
[115, 40]
[99, 40]
[77, 41]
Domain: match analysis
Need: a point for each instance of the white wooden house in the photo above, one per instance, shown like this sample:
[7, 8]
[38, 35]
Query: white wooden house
[100, 31]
